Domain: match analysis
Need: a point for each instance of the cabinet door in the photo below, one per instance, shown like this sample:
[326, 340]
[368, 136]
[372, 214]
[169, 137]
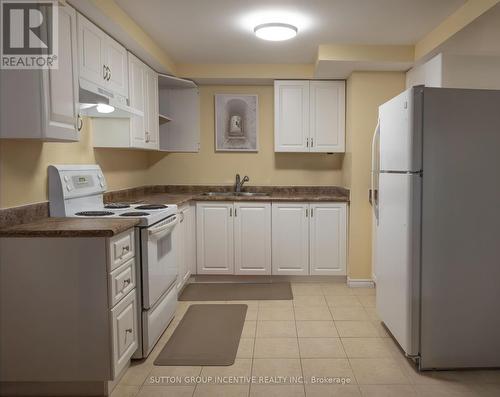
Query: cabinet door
[91, 47]
[125, 331]
[137, 90]
[252, 238]
[290, 231]
[190, 245]
[327, 116]
[328, 238]
[61, 85]
[151, 116]
[214, 238]
[291, 116]
[180, 243]
[116, 61]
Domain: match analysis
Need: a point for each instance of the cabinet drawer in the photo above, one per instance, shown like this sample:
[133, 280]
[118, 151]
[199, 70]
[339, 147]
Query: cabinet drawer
[122, 281]
[121, 249]
[124, 326]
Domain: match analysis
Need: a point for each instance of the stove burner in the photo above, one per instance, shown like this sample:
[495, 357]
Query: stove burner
[135, 213]
[117, 206]
[94, 213]
[151, 207]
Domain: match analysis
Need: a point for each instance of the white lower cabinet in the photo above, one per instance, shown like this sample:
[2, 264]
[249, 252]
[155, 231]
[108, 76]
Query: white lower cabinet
[124, 329]
[252, 238]
[290, 238]
[327, 238]
[214, 238]
[185, 240]
[309, 239]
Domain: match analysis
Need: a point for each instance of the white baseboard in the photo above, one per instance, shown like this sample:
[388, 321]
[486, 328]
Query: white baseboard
[360, 283]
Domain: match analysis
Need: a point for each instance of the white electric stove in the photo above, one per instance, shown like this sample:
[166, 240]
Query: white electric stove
[77, 191]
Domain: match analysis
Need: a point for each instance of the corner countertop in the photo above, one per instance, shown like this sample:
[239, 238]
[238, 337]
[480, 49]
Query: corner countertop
[70, 227]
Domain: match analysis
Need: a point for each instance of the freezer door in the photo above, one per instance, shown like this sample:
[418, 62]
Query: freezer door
[400, 148]
[460, 229]
[398, 249]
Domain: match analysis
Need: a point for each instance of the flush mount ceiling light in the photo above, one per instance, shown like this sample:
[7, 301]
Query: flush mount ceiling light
[275, 31]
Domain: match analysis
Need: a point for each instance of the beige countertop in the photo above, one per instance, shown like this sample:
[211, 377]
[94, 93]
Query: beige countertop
[70, 227]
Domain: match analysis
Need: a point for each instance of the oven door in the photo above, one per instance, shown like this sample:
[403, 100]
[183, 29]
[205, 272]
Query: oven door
[159, 262]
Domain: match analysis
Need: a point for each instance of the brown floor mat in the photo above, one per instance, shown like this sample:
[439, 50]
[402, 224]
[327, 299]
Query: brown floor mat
[236, 291]
[206, 335]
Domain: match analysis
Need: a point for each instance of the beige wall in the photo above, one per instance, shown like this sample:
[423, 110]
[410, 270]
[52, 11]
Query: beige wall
[365, 92]
[23, 166]
[263, 168]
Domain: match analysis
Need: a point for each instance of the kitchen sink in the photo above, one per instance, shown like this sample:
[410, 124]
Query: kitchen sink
[247, 194]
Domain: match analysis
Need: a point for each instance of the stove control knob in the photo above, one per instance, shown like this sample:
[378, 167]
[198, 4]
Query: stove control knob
[68, 187]
[102, 184]
[100, 176]
[66, 178]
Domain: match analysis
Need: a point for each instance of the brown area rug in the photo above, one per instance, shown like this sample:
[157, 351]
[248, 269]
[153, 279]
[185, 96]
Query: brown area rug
[236, 292]
[206, 335]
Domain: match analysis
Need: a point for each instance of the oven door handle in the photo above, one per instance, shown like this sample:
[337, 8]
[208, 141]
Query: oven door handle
[156, 233]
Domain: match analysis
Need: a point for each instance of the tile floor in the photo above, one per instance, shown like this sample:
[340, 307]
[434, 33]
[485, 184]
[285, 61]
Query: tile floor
[328, 332]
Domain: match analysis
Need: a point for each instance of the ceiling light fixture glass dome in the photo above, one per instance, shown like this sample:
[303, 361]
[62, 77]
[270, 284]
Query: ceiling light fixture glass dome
[275, 31]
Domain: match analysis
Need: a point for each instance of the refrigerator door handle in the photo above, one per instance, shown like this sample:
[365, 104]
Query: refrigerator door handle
[374, 189]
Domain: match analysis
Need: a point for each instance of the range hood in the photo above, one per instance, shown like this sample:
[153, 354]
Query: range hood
[97, 102]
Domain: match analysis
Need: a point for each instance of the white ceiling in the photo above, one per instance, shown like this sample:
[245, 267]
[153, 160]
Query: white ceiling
[221, 31]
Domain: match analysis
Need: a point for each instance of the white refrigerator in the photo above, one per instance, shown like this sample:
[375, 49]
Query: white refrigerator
[436, 206]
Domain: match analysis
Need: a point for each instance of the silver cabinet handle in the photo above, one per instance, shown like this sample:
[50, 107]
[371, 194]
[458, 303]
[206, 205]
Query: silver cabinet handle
[235, 212]
[230, 212]
[109, 75]
[312, 213]
[126, 282]
[307, 212]
[104, 72]
[79, 122]
[307, 142]
[125, 250]
[312, 142]
[128, 331]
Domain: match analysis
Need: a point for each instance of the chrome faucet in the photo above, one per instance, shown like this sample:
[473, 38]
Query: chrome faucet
[238, 185]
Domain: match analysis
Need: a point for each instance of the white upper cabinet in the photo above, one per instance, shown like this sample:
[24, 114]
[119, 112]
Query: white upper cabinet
[291, 116]
[137, 97]
[143, 97]
[328, 233]
[252, 238]
[139, 132]
[327, 116]
[117, 64]
[214, 238]
[290, 238]
[309, 116]
[102, 60]
[47, 99]
[151, 114]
